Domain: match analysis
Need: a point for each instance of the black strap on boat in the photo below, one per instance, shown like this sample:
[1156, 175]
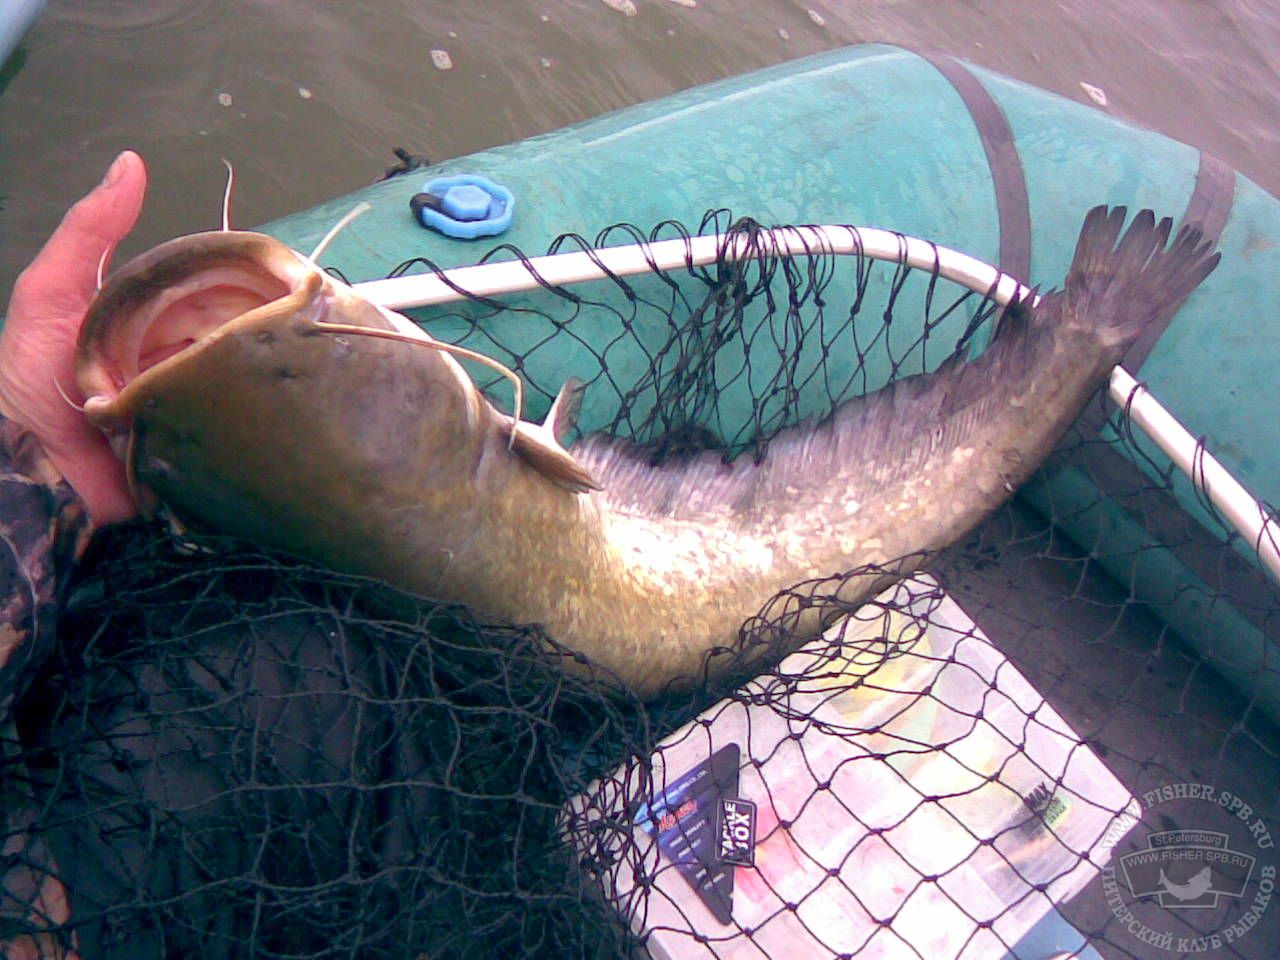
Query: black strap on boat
[1007, 177]
[1211, 201]
[1120, 480]
[1209, 206]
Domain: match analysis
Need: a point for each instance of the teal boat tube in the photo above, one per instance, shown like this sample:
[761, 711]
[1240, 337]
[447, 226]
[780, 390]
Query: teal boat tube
[936, 148]
[17, 17]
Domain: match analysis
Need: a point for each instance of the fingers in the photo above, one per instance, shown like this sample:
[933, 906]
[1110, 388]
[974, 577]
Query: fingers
[38, 340]
[103, 217]
[66, 269]
[97, 475]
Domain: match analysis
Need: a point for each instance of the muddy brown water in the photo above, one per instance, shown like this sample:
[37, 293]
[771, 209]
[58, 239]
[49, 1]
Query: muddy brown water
[307, 97]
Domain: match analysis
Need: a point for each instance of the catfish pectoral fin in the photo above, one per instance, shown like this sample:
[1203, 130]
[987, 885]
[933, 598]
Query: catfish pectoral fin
[542, 446]
[538, 447]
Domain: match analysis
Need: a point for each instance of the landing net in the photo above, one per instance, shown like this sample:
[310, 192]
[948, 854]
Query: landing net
[232, 754]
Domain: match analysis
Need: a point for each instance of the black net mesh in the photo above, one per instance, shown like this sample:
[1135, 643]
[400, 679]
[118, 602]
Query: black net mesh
[234, 754]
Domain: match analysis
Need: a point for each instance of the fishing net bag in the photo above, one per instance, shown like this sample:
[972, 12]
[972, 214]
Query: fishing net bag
[1014, 751]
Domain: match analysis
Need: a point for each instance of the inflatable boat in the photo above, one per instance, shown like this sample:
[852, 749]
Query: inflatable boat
[930, 147]
[17, 17]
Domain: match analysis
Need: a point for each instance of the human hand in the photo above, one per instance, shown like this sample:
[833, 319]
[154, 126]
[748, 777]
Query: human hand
[37, 346]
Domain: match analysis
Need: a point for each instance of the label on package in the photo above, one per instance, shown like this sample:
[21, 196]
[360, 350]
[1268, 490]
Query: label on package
[695, 832]
[737, 832]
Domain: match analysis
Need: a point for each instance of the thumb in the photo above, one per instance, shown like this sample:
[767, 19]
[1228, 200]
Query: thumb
[66, 269]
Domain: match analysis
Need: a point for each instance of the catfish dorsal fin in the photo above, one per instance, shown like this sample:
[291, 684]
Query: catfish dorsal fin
[540, 445]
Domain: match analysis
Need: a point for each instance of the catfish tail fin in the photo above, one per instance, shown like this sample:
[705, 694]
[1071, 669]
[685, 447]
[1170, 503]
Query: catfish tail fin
[1120, 285]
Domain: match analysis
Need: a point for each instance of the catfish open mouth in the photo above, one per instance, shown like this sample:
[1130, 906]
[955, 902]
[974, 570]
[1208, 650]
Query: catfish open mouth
[196, 308]
[176, 296]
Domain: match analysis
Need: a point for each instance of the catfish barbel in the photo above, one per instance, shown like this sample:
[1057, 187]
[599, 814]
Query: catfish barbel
[255, 396]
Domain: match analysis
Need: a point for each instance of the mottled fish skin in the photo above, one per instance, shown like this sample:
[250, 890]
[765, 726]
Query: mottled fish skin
[382, 459]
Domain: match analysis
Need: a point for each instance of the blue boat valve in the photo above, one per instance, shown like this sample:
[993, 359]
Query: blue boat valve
[465, 206]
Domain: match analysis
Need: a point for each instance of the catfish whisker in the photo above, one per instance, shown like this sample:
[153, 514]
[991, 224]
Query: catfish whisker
[62, 393]
[102, 264]
[357, 210]
[146, 505]
[451, 348]
[226, 196]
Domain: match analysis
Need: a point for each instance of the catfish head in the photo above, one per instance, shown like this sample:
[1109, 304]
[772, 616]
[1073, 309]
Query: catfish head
[180, 298]
[254, 395]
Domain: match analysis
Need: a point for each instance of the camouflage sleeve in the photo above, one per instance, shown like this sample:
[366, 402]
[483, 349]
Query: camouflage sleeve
[43, 531]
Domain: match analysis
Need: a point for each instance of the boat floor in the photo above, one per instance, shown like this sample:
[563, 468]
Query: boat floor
[1143, 700]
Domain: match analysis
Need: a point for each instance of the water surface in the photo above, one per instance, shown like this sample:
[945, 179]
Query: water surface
[307, 97]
